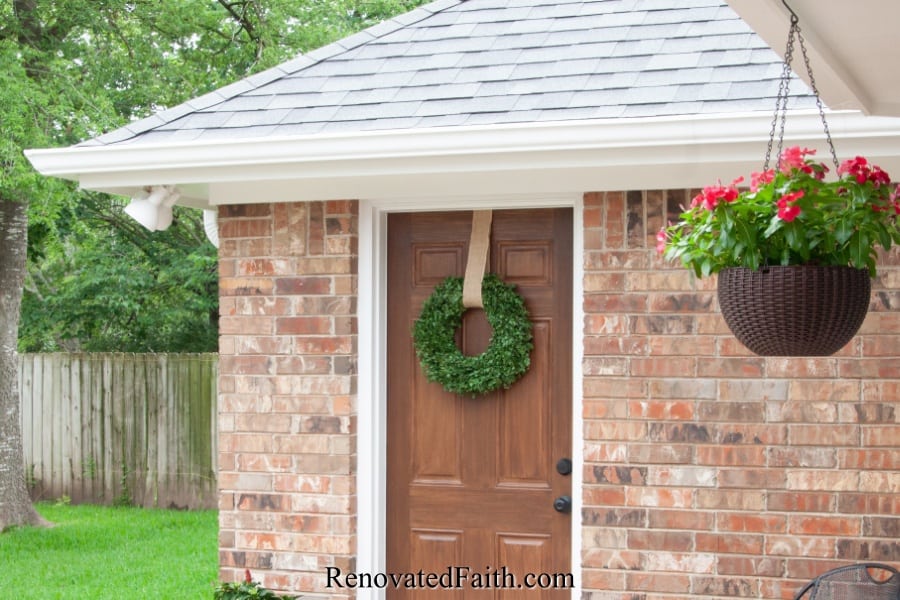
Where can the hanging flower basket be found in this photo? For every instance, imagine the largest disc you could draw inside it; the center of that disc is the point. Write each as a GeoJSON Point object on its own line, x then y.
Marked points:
{"type": "Point", "coordinates": [797, 310]}
{"type": "Point", "coordinates": [794, 251]}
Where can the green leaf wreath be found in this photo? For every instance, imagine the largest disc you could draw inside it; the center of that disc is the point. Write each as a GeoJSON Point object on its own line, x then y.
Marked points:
{"type": "Point", "coordinates": [508, 355]}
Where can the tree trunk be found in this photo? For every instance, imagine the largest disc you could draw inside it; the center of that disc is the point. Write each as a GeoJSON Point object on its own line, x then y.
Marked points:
{"type": "Point", "coordinates": [15, 504]}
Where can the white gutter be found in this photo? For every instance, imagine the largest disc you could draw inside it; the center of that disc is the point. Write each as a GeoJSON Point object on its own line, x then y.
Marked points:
{"type": "Point", "coordinates": [657, 152]}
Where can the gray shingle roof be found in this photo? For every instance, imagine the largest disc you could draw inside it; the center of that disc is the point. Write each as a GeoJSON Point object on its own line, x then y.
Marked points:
{"type": "Point", "coordinates": [477, 62]}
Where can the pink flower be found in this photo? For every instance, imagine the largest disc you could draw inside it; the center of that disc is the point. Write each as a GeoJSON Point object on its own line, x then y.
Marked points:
{"type": "Point", "coordinates": [247, 576]}
{"type": "Point", "coordinates": [860, 169]}
{"type": "Point", "coordinates": [795, 158]}
{"type": "Point", "coordinates": [895, 199]}
{"type": "Point", "coordinates": [661, 239]}
{"type": "Point", "coordinates": [711, 195]}
{"type": "Point", "coordinates": [787, 207]}
{"type": "Point", "coordinates": [879, 177]}
{"type": "Point", "coordinates": [757, 180]}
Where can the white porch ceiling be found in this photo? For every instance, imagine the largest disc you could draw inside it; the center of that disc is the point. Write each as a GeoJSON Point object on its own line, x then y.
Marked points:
{"type": "Point", "coordinates": [852, 47]}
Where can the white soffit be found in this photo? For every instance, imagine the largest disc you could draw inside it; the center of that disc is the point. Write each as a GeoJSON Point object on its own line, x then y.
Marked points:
{"type": "Point", "coordinates": [575, 156]}
{"type": "Point", "coordinates": [852, 47]}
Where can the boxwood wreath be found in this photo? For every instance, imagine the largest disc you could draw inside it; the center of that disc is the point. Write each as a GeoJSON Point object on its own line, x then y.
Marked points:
{"type": "Point", "coordinates": [508, 355]}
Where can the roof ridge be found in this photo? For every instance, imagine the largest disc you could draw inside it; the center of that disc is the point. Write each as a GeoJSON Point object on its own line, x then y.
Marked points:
{"type": "Point", "coordinates": [290, 67]}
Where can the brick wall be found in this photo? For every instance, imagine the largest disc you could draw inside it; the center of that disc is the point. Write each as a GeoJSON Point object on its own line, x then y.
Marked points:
{"type": "Point", "coordinates": [287, 382]}
{"type": "Point", "coordinates": [711, 472]}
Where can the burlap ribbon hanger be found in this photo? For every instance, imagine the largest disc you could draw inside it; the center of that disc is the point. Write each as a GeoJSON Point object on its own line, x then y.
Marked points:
{"type": "Point", "coordinates": [476, 265]}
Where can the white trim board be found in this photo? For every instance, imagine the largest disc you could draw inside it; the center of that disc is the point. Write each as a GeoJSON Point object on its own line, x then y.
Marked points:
{"type": "Point", "coordinates": [372, 371]}
{"type": "Point", "coordinates": [569, 156]}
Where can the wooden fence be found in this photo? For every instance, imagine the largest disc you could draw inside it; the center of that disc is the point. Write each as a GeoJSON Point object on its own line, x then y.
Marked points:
{"type": "Point", "coordinates": [120, 428]}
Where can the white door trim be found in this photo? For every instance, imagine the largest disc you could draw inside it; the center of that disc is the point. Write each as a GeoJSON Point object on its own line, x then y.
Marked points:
{"type": "Point", "coordinates": [371, 403]}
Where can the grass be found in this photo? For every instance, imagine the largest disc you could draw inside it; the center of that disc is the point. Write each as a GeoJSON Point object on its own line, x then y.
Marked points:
{"type": "Point", "coordinates": [97, 552]}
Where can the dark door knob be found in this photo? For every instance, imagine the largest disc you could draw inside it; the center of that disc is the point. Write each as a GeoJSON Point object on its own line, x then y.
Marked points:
{"type": "Point", "coordinates": [563, 504]}
{"type": "Point", "coordinates": [564, 466]}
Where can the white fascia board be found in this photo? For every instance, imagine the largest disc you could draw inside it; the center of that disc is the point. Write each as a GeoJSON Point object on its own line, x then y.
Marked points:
{"type": "Point", "coordinates": [658, 152]}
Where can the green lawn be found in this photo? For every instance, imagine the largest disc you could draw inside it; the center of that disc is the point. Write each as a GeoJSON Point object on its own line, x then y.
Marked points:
{"type": "Point", "coordinates": [96, 552]}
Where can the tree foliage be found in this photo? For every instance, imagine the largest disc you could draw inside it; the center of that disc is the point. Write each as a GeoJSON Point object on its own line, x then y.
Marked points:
{"type": "Point", "coordinates": [96, 282]}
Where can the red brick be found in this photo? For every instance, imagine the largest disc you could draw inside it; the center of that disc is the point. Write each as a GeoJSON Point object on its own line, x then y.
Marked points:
{"type": "Point", "coordinates": [746, 566]}
{"type": "Point", "coordinates": [809, 457]}
{"type": "Point", "coordinates": [795, 545]}
{"type": "Point", "coordinates": [603, 282]}
{"type": "Point", "coordinates": [245, 228]}
{"type": "Point", "coordinates": [244, 365]}
{"type": "Point", "coordinates": [883, 436]}
{"type": "Point", "coordinates": [882, 459]}
{"type": "Point", "coordinates": [663, 367]}
{"type": "Point", "coordinates": [766, 479]}
{"type": "Point", "coordinates": [264, 502]}
{"type": "Point", "coordinates": [668, 410]}
{"type": "Point", "coordinates": [715, 499]}
{"type": "Point", "coordinates": [253, 326]}
{"type": "Point", "coordinates": [822, 480]}
{"type": "Point", "coordinates": [617, 260]}
{"type": "Point", "coordinates": [614, 225]}
{"type": "Point", "coordinates": [807, 568]}
{"type": "Point", "coordinates": [660, 453]}
{"type": "Point", "coordinates": [603, 579]}
{"type": "Point", "coordinates": [887, 527]}
{"type": "Point", "coordinates": [613, 345]}
{"type": "Point", "coordinates": [658, 582]}
{"type": "Point", "coordinates": [875, 368]}
{"type": "Point", "coordinates": [751, 523]}
{"type": "Point", "coordinates": [801, 367]}
{"type": "Point", "coordinates": [868, 504]}
{"type": "Point", "coordinates": [730, 543]}
{"type": "Point", "coordinates": [662, 497]}
{"type": "Point", "coordinates": [603, 496]}
{"type": "Point", "coordinates": [732, 367]}
{"type": "Point", "coordinates": [808, 502]}
{"type": "Point", "coordinates": [731, 455]}
{"type": "Point", "coordinates": [731, 587]}
{"type": "Point", "coordinates": [302, 285]}
{"type": "Point", "coordinates": [257, 306]}
{"type": "Point", "coordinates": [246, 286]}
{"type": "Point", "coordinates": [824, 526]}
{"type": "Point", "coordinates": [593, 217]}
{"type": "Point", "coordinates": [681, 519]}
{"type": "Point", "coordinates": [686, 302]}
{"type": "Point", "coordinates": [614, 387]}
{"type": "Point", "coordinates": [732, 412]}
{"type": "Point", "coordinates": [824, 435]}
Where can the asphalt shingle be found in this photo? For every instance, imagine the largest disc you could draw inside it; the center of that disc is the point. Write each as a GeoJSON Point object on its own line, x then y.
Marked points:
{"type": "Point", "coordinates": [454, 62]}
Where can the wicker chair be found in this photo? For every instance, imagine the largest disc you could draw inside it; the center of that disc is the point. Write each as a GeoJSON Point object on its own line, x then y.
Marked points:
{"type": "Point", "coordinates": [865, 581]}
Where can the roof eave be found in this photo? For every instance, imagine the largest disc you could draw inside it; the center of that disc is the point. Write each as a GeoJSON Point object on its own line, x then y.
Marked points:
{"type": "Point", "coordinates": [657, 152]}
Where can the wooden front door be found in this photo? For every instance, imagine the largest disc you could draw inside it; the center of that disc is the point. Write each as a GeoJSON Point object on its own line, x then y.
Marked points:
{"type": "Point", "coordinates": [471, 482]}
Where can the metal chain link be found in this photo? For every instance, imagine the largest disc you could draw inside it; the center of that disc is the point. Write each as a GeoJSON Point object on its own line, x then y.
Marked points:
{"type": "Point", "coordinates": [783, 93]}
{"type": "Point", "coordinates": [812, 84]}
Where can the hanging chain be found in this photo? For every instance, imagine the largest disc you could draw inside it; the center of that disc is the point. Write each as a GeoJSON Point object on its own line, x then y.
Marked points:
{"type": "Point", "coordinates": [783, 93]}
{"type": "Point", "coordinates": [812, 84]}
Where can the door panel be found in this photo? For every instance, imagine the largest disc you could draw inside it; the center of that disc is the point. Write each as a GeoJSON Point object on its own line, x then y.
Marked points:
{"type": "Point", "coordinates": [471, 481]}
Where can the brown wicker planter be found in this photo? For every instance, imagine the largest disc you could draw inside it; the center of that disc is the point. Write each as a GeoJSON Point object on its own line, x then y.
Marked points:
{"type": "Point", "coordinates": [798, 310]}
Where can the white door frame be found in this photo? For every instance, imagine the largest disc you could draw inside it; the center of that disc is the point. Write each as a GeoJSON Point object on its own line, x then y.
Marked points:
{"type": "Point", "coordinates": [371, 402]}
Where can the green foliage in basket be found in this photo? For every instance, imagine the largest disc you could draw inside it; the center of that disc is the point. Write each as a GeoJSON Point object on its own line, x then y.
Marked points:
{"type": "Point", "coordinates": [790, 215]}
